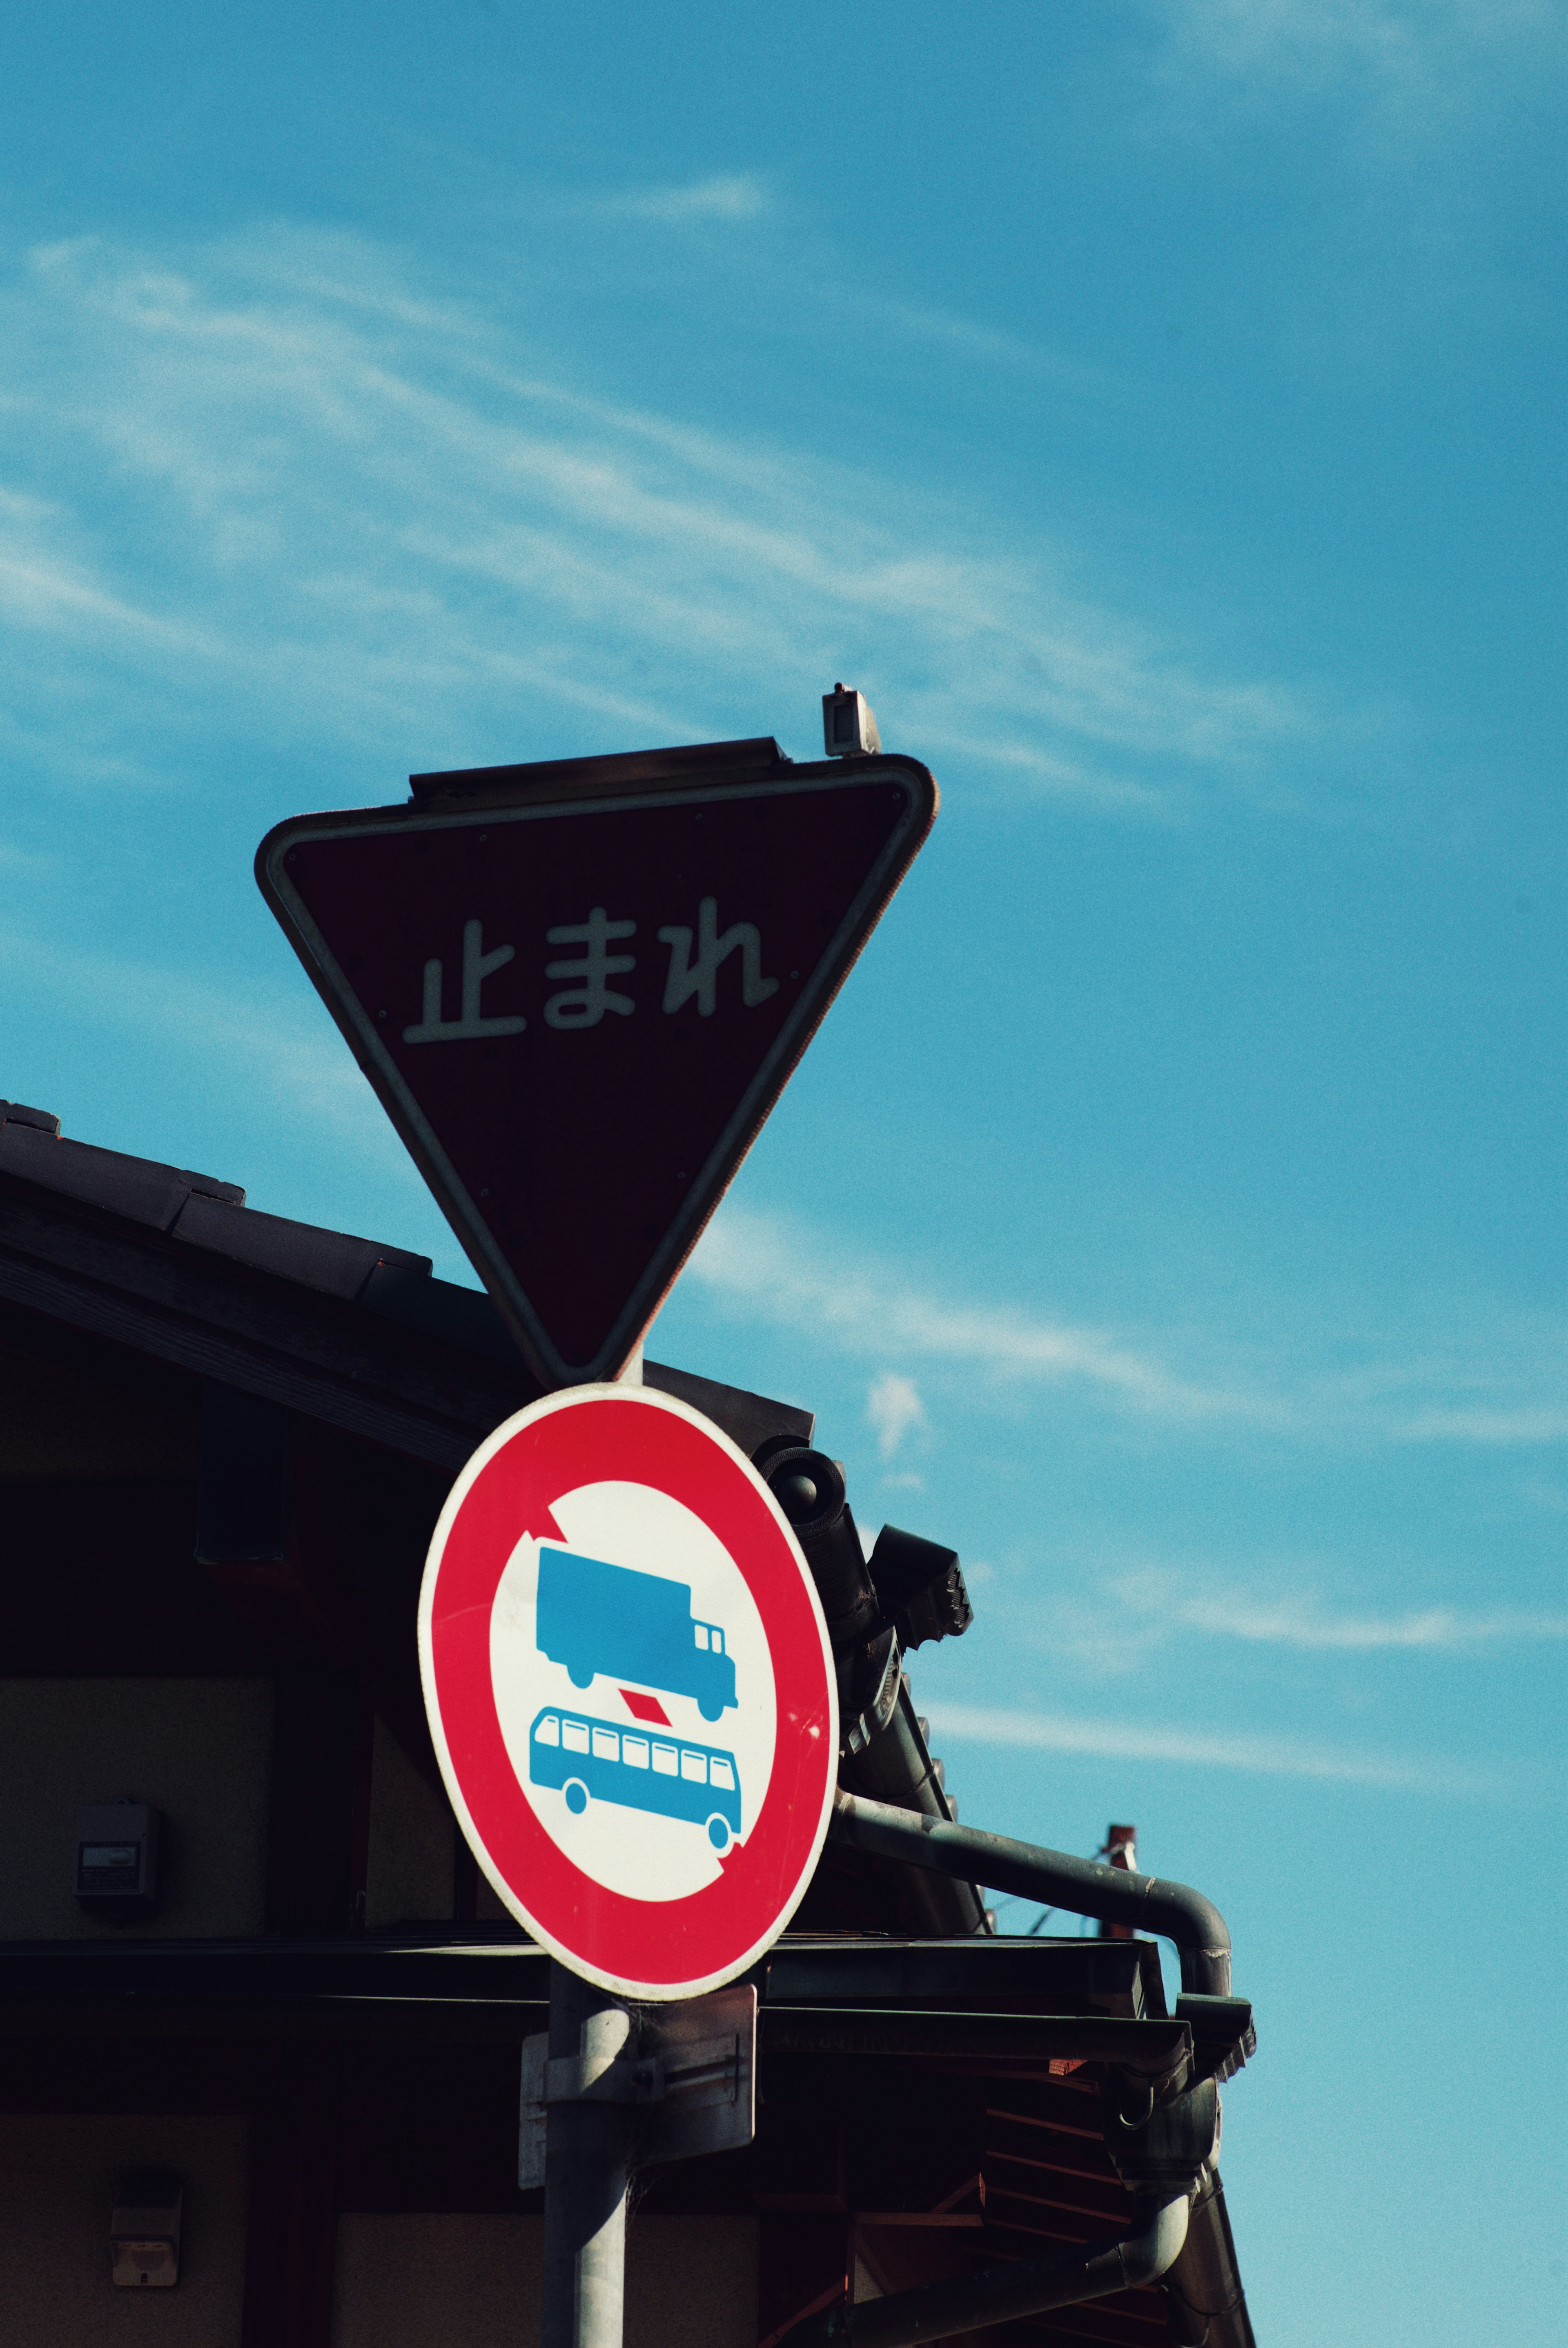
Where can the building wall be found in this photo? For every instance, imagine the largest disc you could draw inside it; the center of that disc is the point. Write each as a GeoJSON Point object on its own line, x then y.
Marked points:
{"type": "Point", "coordinates": [448, 2282]}
{"type": "Point", "coordinates": [56, 1421]}
{"type": "Point", "coordinates": [198, 1750]}
{"type": "Point", "coordinates": [490, 1908]}
{"type": "Point", "coordinates": [413, 1842]}
{"type": "Point", "coordinates": [58, 2180]}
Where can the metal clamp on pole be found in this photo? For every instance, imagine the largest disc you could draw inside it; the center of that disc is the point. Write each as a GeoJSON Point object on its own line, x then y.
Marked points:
{"type": "Point", "coordinates": [596, 2079]}
{"type": "Point", "coordinates": [685, 2072]}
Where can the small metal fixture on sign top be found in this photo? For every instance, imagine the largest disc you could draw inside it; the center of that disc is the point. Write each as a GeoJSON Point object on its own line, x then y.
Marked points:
{"type": "Point", "coordinates": [116, 1859]}
{"type": "Point", "coordinates": [848, 725]}
{"type": "Point", "coordinates": [689, 2071]}
{"type": "Point", "coordinates": [144, 2231]}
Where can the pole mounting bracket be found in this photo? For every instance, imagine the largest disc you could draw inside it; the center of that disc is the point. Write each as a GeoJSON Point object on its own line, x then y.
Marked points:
{"type": "Point", "coordinates": [687, 2071]}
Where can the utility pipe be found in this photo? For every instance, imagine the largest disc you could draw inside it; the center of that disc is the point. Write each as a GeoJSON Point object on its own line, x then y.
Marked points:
{"type": "Point", "coordinates": [1080, 1886]}
{"type": "Point", "coordinates": [1002, 2294]}
{"type": "Point", "coordinates": [894, 1767]}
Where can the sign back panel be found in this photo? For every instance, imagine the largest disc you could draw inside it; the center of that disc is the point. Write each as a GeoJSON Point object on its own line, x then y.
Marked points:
{"type": "Point", "coordinates": [577, 1005]}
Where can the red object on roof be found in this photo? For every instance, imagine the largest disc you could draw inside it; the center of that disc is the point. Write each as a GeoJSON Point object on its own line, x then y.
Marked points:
{"type": "Point", "coordinates": [578, 992]}
{"type": "Point", "coordinates": [1119, 1849]}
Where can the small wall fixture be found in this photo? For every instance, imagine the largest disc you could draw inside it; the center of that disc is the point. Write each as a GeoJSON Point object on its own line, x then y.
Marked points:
{"type": "Point", "coordinates": [144, 2231]}
{"type": "Point", "coordinates": [116, 1858]}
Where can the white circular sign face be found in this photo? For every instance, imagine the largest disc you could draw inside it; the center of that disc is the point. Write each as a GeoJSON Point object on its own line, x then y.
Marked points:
{"type": "Point", "coordinates": [645, 1538]}
{"type": "Point", "coordinates": [629, 1688]}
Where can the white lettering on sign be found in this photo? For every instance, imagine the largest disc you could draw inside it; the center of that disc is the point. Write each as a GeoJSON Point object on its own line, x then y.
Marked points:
{"type": "Point", "coordinates": [700, 977]}
{"type": "Point", "coordinates": [477, 966]}
{"type": "Point", "coordinates": [585, 1005]}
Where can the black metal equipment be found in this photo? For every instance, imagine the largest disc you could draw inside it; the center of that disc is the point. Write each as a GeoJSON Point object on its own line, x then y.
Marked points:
{"type": "Point", "coordinates": [908, 1591]}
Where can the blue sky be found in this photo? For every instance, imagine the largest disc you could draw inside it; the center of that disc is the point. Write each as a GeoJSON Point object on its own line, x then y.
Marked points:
{"type": "Point", "coordinates": [1156, 409]}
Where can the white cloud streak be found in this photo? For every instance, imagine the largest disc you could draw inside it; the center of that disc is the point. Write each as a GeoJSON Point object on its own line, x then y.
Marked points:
{"type": "Point", "coordinates": [276, 485]}
{"type": "Point", "coordinates": [1299, 1620]}
{"type": "Point", "coordinates": [733, 196]}
{"type": "Point", "coordinates": [1512, 1394]}
{"type": "Point", "coordinates": [1389, 47]}
{"type": "Point", "coordinates": [297, 1062]}
{"type": "Point", "coordinates": [894, 1409]}
{"type": "Point", "coordinates": [767, 1266]}
{"type": "Point", "coordinates": [1270, 1757]}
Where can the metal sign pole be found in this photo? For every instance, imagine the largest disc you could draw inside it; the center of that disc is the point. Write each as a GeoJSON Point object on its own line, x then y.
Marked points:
{"type": "Point", "coordinates": [587, 2145]}
{"type": "Point", "coordinates": [609, 2089]}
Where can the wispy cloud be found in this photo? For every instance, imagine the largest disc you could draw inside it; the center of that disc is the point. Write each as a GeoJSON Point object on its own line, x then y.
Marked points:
{"type": "Point", "coordinates": [279, 484]}
{"type": "Point", "coordinates": [1487, 1424]}
{"type": "Point", "coordinates": [998, 349]}
{"type": "Point", "coordinates": [1300, 1620]}
{"type": "Point", "coordinates": [1400, 46]}
{"type": "Point", "coordinates": [727, 196]}
{"type": "Point", "coordinates": [1506, 1388]}
{"type": "Point", "coordinates": [296, 1061]}
{"type": "Point", "coordinates": [757, 1261]}
{"type": "Point", "coordinates": [1271, 1757]}
{"type": "Point", "coordinates": [893, 1408]}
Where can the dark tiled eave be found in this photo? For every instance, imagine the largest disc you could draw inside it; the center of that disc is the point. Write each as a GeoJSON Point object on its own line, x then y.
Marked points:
{"type": "Point", "coordinates": [174, 1265]}
{"type": "Point", "coordinates": [945, 2010]}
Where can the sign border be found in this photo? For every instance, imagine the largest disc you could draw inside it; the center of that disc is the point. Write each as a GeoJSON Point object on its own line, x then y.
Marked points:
{"type": "Point", "coordinates": [434, 1668]}
{"type": "Point", "coordinates": [517, 803]}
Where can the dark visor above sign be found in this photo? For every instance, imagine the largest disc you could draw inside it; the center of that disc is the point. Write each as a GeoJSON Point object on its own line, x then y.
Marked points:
{"type": "Point", "coordinates": [579, 990]}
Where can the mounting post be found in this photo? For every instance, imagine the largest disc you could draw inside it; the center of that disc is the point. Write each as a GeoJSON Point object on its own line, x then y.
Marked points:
{"type": "Point", "coordinates": [587, 2147]}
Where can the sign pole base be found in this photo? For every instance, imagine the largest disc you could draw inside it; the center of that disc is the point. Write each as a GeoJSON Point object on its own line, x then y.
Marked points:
{"type": "Point", "coordinates": [588, 2147]}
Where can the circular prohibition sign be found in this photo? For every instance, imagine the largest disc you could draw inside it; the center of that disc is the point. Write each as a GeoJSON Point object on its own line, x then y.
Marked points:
{"type": "Point", "coordinates": [629, 1688]}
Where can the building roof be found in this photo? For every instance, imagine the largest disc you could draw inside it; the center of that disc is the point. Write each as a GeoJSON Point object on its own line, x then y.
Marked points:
{"type": "Point", "coordinates": [348, 1330]}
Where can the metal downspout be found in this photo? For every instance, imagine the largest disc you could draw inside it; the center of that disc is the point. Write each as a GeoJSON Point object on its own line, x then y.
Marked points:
{"type": "Point", "coordinates": [1080, 1886]}
{"type": "Point", "coordinates": [1002, 2294]}
{"type": "Point", "coordinates": [1208, 2305]}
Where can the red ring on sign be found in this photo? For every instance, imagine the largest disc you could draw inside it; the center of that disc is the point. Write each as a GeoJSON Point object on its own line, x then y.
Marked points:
{"type": "Point", "coordinates": [660, 1945]}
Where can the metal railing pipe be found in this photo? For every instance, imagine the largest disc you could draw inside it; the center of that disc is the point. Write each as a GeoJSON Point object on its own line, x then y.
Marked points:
{"type": "Point", "coordinates": [1055, 1877]}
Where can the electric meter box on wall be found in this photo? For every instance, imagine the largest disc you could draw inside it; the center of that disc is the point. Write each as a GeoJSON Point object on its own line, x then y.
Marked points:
{"type": "Point", "coordinates": [116, 1858]}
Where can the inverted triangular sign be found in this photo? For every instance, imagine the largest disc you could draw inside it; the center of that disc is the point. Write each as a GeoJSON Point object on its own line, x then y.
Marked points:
{"type": "Point", "coordinates": [578, 989]}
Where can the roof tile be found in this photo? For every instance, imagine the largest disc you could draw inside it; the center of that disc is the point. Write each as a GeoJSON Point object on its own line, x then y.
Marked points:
{"type": "Point", "coordinates": [16, 1113]}
{"type": "Point", "coordinates": [332, 1262]}
{"type": "Point", "coordinates": [136, 1187]}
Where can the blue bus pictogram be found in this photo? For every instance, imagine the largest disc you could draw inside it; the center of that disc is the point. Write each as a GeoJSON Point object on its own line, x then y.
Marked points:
{"type": "Point", "coordinates": [640, 1770]}
{"type": "Point", "coordinates": [593, 1617]}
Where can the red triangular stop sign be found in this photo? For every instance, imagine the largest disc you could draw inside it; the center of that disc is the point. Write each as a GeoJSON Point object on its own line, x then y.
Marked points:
{"type": "Point", "coordinates": [577, 990]}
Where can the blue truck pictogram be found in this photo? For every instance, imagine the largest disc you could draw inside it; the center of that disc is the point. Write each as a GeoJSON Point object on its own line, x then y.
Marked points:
{"type": "Point", "coordinates": [594, 1617]}
{"type": "Point", "coordinates": [639, 1768]}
